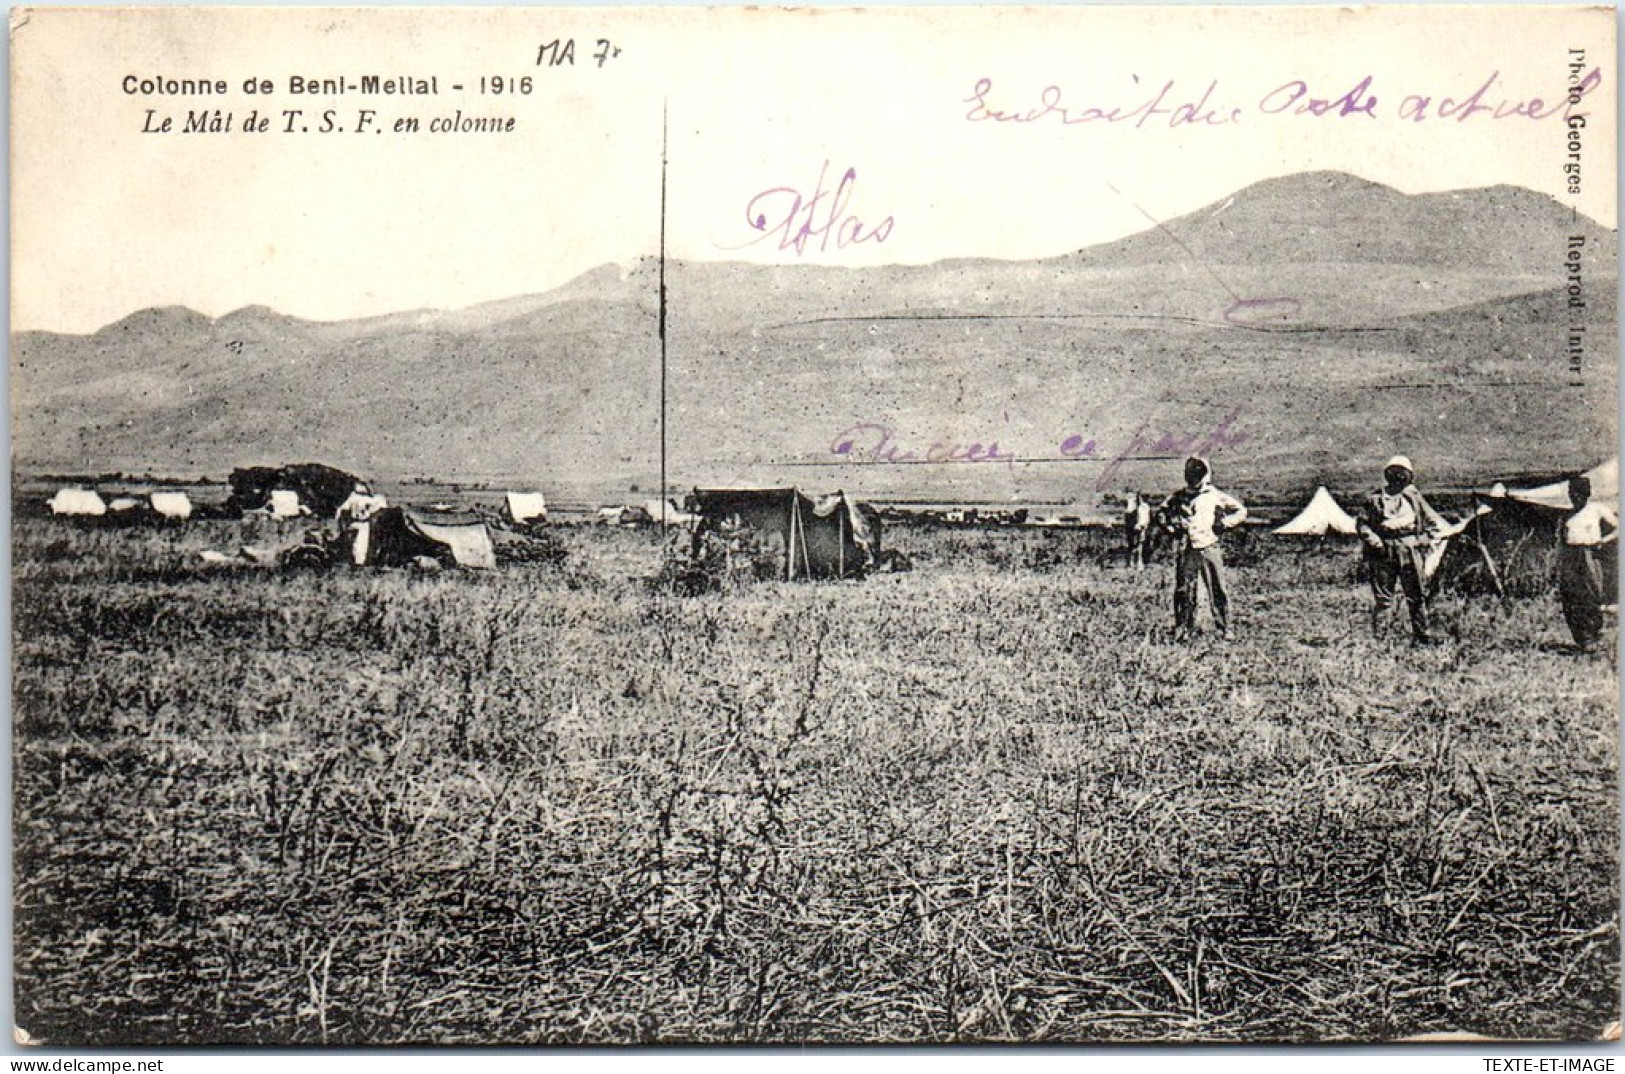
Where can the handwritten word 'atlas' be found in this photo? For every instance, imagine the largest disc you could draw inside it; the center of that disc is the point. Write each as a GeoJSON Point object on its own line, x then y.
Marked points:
{"type": "Point", "coordinates": [812, 219]}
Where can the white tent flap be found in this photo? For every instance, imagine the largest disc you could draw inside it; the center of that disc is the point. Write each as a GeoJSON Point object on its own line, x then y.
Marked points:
{"type": "Point", "coordinates": [1604, 480]}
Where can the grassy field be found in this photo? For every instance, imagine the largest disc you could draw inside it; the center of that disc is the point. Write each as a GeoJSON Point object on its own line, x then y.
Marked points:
{"type": "Point", "coordinates": [988, 800]}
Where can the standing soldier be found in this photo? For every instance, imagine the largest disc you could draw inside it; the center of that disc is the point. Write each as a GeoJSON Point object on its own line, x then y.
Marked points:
{"type": "Point", "coordinates": [1197, 514]}
{"type": "Point", "coordinates": [1579, 570]}
{"type": "Point", "coordinates": [1397, 526]}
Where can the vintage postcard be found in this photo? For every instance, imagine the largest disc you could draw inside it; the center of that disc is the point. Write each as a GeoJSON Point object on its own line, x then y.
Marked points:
{"type": "Point", "coordinates": [614, 525]}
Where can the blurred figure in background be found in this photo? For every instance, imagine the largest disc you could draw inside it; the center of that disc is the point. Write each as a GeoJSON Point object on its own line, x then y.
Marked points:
{"type": "Point", "coordinates": [1136, 529]}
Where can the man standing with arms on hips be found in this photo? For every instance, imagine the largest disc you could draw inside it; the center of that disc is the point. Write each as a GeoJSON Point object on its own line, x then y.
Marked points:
{"type": "Point", "coordinates": [1197, 514]}
{"type": "Point", "coordinates": [1586, 528]}
{"type": "Point", "coordinates": [1397, 526]}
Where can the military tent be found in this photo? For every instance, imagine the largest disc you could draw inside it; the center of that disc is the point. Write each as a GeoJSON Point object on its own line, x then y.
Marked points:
{"type": "Point", "coordinates": [1604, 480]}
{"type": "Point", "coordinates": [77, 501]}
{"type": "Point", "coordinates": [828, 537]}
{"type": "Point", "coordinates": [121, 504]}
{"type": "Point", "coordinates": [1320, 516]}
{"type": "Point", "coordinates": [1513, 540]}
{"type": "Point", "coordinates": [523, 507]}
{"type": "Point", "coordinates": [171, 504]}
{"type": "Point", "coordinates": [396, 536]}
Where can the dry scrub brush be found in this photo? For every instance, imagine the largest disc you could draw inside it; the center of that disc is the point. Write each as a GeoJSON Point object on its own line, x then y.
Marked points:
{"type": "Point", "coordinates": [985, 801]}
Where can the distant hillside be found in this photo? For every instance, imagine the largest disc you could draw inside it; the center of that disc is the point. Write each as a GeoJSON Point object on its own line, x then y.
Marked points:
{"type": "Point", "coordinates": [1433, 324]}
{"type": "Point", "coordinates": [1335, 217]}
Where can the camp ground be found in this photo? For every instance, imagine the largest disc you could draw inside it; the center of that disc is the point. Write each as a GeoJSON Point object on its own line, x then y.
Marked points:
{"type": "Point", "coordinates": [540, 688]}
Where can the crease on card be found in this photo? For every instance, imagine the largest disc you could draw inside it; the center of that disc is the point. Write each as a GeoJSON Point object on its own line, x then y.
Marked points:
{"type": "Point", "coordinates": [19, 18]}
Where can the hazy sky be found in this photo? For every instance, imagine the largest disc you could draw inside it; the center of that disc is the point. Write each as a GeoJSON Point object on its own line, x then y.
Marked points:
{"type": "Point", "coordinates": [108, 218]}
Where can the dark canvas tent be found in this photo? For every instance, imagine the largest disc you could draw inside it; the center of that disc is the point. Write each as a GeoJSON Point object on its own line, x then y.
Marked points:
{"type": "Point", "coordinates": [830, 537]}
{"type": "Point", "coordinates": [322, 489]}
{"type": "Point", "coordinates": [397, 536]}
{"type": "Point", "coordinates": [1510, 548]}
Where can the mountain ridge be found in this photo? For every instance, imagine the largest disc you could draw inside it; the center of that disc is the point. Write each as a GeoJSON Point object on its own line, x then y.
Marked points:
{"type": "Point", "coordinates": [769, 362]}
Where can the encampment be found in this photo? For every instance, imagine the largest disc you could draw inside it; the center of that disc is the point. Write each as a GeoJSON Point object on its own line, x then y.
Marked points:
{"type": "Point", "coordinates": [830, 537]}
{"type": "Point", "coordinates": [78, 501]}
{"type": "Point", "coordinates": [1320, 516]}
{"type": "Point", "coordinates": [171, 504]}
{"type": "Point", "coordinates": [397, 536]}
{"type": "Point", "coordinates": [525, 507]}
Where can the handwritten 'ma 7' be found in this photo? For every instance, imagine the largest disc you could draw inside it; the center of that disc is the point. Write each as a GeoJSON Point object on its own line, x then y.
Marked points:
{"type": "Point", "coordinates": [561, 52]}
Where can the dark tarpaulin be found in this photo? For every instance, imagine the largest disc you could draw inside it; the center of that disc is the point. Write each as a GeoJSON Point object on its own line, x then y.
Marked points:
{"type": "Point", "coordinates": [831, 537]}
{"type": "Point", "coordinates": [321, 488]}
{"type": "Point", "coordinates": [396, 537]}
{"type": "Point", "coordinates": [1512, 550]}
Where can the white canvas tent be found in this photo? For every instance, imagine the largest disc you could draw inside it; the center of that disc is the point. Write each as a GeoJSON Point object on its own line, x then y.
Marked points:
{"type": "Point", "coordinates": [1321, 515]}
{"type": "Point", "coordinates": [1436, 551]}
{"type": "Point", "coordinates": [1604, 489]}
{"type": "Point", "coordinates": [171, 505]}
{"type": "Point", "coordinates": [674, 516]}
{"type": "Point", "coordinates": [284, 503]}
{"type": "Point", "coordinates": [77, 502]}
{"type": "Point", "coordinates": [527, 507]}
